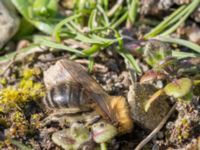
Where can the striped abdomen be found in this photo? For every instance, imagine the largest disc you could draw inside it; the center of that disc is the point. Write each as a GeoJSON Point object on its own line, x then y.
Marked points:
{"type": "Point", "coordinates": [65, 96]}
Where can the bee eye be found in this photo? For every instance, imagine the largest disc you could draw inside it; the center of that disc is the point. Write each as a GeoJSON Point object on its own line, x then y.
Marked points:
{"type": "Point", "coordinates": [102, 125]}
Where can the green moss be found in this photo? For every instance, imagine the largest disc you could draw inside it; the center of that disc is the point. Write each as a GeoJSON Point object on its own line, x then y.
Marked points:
{"type": "Point", "coordinates": [29, 73]}
{"type": "Point", "coordinates": [19, 126]}
{"type": "Point", "coordinates": [15, 96]}
{"type": "Point", "coordinates": [35, 120]}
{"type": "Point", "coordinates": [18, 117]}
{"type": "Point", "coordinates": [3, 81]}
{"type": "Point", "coordinates": [183, 130]}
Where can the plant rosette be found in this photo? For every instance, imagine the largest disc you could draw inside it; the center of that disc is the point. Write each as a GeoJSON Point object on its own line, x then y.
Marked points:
{"type": "Point", "coordinates": [179, 88]}
{"type": "Point", "coordinates": [103, 132]}
{"type": "Point", "coordinates": [72, 138]}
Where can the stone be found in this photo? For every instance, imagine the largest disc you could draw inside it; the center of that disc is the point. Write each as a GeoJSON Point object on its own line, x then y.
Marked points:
{"type": "Point", "coordinates": [9, 22]}
{"type": "Point", "coordinates": [138, 95]}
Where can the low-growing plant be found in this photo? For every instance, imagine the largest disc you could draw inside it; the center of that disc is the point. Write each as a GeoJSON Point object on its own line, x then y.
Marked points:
{"type": "Point", "coordinates": [13, 97]}
{"type": "Point", "coordinates": [180, 81]}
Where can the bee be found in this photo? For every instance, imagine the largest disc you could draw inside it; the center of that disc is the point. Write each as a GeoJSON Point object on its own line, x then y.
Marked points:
{"type": "Point", "coordinates": [70, 86]}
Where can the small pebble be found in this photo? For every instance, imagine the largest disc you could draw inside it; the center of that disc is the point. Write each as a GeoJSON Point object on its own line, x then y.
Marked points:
{"type": "Point", "coordinates": [169, 125]}
{"type": "Point", "coordinates": [159, 84]}
{"type": "Point", "coordinates": [155, 147]}
{"type": "Point", "coordinates": [9, 22]}
{"type": "Point", "coordinates": [160, 135]}
{"type": "Point", "coordinates": [154, 139]}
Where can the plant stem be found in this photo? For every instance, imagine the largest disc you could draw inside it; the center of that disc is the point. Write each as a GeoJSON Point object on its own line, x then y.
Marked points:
{"type": "Point", "coordinates": [152, 99]}
{"type": "Point", "coordinates": [156, 130]}
{"type": "Point", "coordinates": [103, 146]}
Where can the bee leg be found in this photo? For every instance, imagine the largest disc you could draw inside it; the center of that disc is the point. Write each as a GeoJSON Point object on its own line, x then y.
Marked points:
{"type": "Point", "coordinates": [64, 116]}
{"type": "Point", "coordinates": [62, 120]}
{"type": "Point", "coordinates": [91, 118]}
{"type": "Point", "coordinates": [65, 111]}
{"type": "Point", "coordinates": [68, 111]}
{"type": "Point", "coordinates": [48, 120]}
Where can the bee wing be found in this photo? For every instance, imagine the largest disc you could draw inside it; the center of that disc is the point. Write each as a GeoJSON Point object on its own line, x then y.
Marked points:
{"type": "Point", "coordinates": [73, 73]}
{"type": "Point", "coordinates": [76, 72]}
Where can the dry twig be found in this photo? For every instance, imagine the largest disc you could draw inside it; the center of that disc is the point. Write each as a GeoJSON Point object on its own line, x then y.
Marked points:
{"type": "Point", "coordinates": [156, 130]}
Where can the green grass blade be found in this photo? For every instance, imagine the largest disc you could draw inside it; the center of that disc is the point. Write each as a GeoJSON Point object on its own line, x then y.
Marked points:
{"type": "Point", "coordinates": [42, 26]}
{"type": "Point", "coordinates": [131, 60]}
{"type": "Point", "coordinates": [93, 49]}
{"type": "Point", "coordinates": [91, 64]}
{"type": "Point", "coordinates": [120, 20]}
{"type": "Point", "coordinates": [132, 10]}
{"type": "Point", "coordinates": [181, 55]}
{"type": "Point", "coordinates": [22, 6]}
{"type": "Point", "coordinates": [182, 42]}
{"type": "Point", "coordinates": [92, 20]}
{"type": "Point", "coordinates": [58, 27]}
{"type": "Point", "coordinates": [105, 4]}
{"type": "Point", "coordinates": [51, 44]}
{"type": "Point", "coordinates": [10, 56]}
{"type": "Point", "coordinates": [93, 39]}
{"type": "Point", "coordinates": [159, 28]}
{"type": "Point", "coordinates": [85, 39]}
{"type": "Point", "coordinates": [115, 8]}
{"type": "Point", "coordinates": [102, 39]}
{"type": "Point", "coordinates": [26, 10]}
{"type": "Point", "coordinates": [104, 15]}
{"type": "Point", "coordinates": [189, 10]}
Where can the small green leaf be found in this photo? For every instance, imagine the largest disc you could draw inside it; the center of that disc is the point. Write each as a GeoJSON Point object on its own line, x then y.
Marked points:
{"type": "Point", "coordinates": [23, 7]}
{"type": "Point", "coordinates": [26, 28]}
{"type": "Point", "coordinates": [71, 138]}
{"type": "Point", "coordinates": [178, 88]}
{"type": "Point", "coordinates": [46, 8]}
{"type": "Point", "coordinates": [187, 97]}
{"type": "Point", "coordinates": [40, 22]}
{"type": "Point", "coordinates": [103, 132]}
